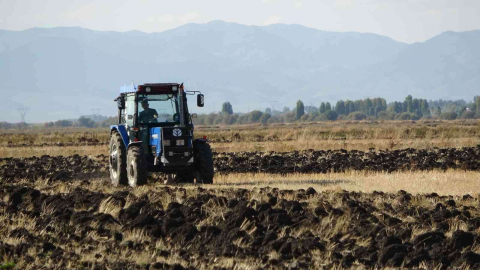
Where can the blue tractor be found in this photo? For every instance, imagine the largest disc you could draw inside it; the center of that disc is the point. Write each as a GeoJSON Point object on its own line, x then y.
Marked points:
{"type": "Point", "coordinates": [155, 134]}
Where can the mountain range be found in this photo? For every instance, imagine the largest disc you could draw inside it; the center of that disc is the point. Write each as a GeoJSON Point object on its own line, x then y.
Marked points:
{"type": "Point", "coordinates": [65, 72]}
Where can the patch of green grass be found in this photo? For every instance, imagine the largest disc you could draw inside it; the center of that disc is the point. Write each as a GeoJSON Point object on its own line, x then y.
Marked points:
{"type": "Point", "coordinates": [8, 265]}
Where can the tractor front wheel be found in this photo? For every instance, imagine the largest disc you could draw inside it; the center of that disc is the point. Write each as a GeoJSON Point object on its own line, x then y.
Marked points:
{"type": "Point", "coordinates": [203, 163]}
{"type": "Point", "coordinates": [137, 168]}
{"type": "Point", "coordinates": [117, 160]}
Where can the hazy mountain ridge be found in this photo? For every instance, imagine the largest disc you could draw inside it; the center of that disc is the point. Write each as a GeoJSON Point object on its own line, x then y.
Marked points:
{"type": "Point", "coordinates": [65, 72]}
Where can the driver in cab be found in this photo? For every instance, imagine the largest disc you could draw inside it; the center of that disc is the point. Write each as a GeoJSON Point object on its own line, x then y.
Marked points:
{"type": "Point", "coordinates": [148, 115]}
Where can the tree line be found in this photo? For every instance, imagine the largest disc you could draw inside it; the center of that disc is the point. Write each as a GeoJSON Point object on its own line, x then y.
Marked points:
{"type": "Point", "coordinates": [362, 109]}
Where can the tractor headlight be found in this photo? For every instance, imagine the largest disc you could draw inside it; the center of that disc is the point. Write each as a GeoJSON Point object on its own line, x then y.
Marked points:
{"type": "Point", "coordinates": [187, 154]}
{"type": "Point", "coordinates": [166, 142]}
{"type": "Point", "coordinates": [180, 142]}
{"type": "Point", "coordinates": [170, 153]}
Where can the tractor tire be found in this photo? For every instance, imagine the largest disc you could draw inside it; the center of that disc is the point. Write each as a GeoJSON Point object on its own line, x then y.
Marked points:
{"type": "Point", "coordinates": [137, 168]}
{"type": "Point", "coordinates": [117, 160]}
{"type": "Point", "coordinates": [203, 163]}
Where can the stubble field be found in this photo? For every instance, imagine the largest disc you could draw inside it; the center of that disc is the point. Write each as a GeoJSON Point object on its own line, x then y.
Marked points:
{"type": "Point", "coordinates": [338, 195]}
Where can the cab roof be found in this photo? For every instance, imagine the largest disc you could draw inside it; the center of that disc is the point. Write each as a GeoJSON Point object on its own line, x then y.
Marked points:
{"type": "Point", "coordinates": [166, 88]}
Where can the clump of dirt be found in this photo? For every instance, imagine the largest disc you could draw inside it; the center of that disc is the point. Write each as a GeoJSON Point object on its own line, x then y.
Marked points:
{"type": "Point", "coordinates": [178, 228]}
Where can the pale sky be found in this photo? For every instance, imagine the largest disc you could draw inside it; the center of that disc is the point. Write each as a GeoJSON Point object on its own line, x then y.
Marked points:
{"type": "Point", "coordinates": [403, 20]}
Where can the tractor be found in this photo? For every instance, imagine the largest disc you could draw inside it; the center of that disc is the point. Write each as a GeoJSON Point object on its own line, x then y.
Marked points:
{"type": "Point", "coordinates": [155, 134]}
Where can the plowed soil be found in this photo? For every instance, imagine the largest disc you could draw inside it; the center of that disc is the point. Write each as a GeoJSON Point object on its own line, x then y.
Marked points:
{"type": "Point", "coordinates": [52, 168]}
{"type": "Point", "coordinates": [311, 161]}
{"type": "Point", "coordinates": [177, 228]}
{"type": "Point", "coordinates": [77, 167]}
{"type": "Point", "coordinates": [68, 226]}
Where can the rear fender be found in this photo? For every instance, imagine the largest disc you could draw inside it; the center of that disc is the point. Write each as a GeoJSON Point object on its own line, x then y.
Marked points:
{"type": "Point", "coordinates": [123, 133]}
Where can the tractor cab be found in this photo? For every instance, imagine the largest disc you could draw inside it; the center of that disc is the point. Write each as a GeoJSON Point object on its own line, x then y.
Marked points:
{"type": "Point", "coordinates": [155, 129]}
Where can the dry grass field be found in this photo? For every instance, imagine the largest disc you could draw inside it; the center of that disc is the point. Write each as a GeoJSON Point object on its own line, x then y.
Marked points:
{"type": "Point", "coordinates": [355, 135]}
{"type": "Point", "coordinates": [394, 206]}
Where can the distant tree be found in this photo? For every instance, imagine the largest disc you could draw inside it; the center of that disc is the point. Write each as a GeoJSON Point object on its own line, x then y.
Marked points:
{"type": "Point", "coordinates": [286, 109]}
{"type": "Point", "coordinates": [109, 121]}
{"type": "Point", "coordinates": [340, 107]}
{"type": "Point", "coordinates": [311, 109]}
{"type": "Point", "coordinates": [63, 123]}
{"type": "Point", "coordinates": [229, 119]}
{"type": "Point", "coordinates": [357, 116]}
{"type": "Point", "coordinates": [264, 118]}
{"type": "Point", "coordinates": [331, 115]}
{"type": "Point", "coordinates": [211, 119]}
{"type": "Point", "coordinates": [468, 114]}
{"type": "Point", "coordinates": [289, 117]}
{"type": "Point", "coordinates": [268, 110]}
{"type": "Point", "coordinates": [86, 122]}
{"type": "Point", "coordinates": [406, 116]}
{"type": "Point", "coordinates": [322, 107]}
{"type": "Point", "coordinates": [409, 103]}
{"type": "Point", "coordinates": [386, 115]}
{"type": "Point", "coordinates": [227, 108]}
{"type": "Point", "coordinates": [328, 107]}
{"type": "Point", "coordinates": [449, 115]}
{"type": "Point", "coordinates": [48, 124]}
{"type": "Point", "coordinates": [300, 111]}
{"type": "Point", "coordinates": [371, 111]}
{"type": "Point", "coordinates": [255, 116]}
{"type": "Point", "coordinates": [305, 117]}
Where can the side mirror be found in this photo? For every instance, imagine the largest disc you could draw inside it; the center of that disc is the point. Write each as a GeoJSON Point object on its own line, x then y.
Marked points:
{"type": "Point", "coordinates": [121, 103]}
{"type": "Point", "coordinates": [200, 100]}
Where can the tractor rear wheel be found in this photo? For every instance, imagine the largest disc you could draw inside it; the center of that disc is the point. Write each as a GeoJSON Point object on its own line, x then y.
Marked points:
{"type": "Point", "coordinates": [117, 160]}
{"type": "Point", "coordinates": [137, 168]}
{"type": "Point", "coordinates": [203, 163]}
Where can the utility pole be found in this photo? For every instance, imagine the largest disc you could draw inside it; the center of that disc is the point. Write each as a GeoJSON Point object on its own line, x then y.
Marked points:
{"type": "Point", "coordinates": [23, 112]}
{"type": "Point", "coordinates": [273, 103]}
{"type": "Point", "coordinates": [95, 112]}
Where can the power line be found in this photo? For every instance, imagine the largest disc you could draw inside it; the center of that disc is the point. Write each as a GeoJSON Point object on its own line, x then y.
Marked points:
{"type": "Point", "coordinates": [273, 103]}
{"type": "Point", "coordinates": [95, 112]}
{"type": "Point", "coordinates": [23, 112]}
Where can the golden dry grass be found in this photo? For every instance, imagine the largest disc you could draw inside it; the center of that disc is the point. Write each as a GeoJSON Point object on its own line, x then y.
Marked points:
{"type": "Point", "coordinates": [361, 135]}
{"type": "Point", "coordinates": [363, 145]}
{"type": "Point", "coordinates": [453, 182]}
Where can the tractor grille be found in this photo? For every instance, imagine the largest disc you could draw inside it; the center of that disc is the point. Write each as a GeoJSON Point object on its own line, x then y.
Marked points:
{"type": "Point", "coordinates": [177, 154]}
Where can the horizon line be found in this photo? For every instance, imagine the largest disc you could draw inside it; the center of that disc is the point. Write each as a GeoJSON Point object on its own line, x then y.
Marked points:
{"type": "Point", "coordinates": [235, 23]}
